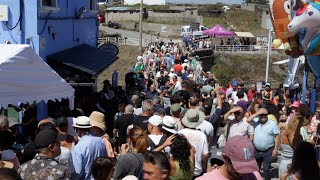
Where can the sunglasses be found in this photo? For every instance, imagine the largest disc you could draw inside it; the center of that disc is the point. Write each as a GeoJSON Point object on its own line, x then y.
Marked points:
{"type": "Point", "coordinates": [263, 115]}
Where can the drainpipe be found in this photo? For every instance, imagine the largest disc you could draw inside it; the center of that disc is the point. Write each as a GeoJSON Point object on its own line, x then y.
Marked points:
{"type": "Point", "coordinates": [20, 32]}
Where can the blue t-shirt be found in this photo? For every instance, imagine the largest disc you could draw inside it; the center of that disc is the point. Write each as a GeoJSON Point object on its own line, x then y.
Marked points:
{"type": "Point", "coordinates": [264, 135]}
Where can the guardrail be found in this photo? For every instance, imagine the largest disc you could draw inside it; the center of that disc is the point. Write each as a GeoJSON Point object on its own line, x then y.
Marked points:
{"type": "Point", "coordinates": [240, 48]}
{"type": "Point", "coordinates": [123, 41]}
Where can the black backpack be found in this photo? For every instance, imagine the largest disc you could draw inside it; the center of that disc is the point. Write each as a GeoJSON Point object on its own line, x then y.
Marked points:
{"type": "Point", "coordinates": [153, 146]}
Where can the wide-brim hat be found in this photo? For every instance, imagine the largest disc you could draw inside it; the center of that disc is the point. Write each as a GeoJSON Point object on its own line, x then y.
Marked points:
{"type": "Point", "coordinates": [169, 124]}
{"type": "Point", "coordinates": [193, 118]}
{"type": "Point", "coordinates": [97, 120]}
{"type": "Point", "coordinates": [82, 122]}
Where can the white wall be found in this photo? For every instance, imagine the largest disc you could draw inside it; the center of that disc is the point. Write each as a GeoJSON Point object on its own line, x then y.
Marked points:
{"type": "Point", "coordinates": [148, 2]}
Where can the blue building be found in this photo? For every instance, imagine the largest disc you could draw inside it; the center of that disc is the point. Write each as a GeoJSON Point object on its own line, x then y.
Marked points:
{"type": "Point", "coordinates": [50, 26]}
{"type": "Point", "coordinates": [63, 32]}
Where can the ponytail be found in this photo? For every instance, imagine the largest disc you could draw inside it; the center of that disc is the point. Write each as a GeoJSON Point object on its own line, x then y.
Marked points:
{"type": "Point", "coordinates": [138, 139]}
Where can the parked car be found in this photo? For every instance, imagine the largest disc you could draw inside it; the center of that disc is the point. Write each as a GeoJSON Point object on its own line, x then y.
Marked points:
{"type": "Point", "coordinates": [186, 30]}
{"type": "Point", "coordinates": [101, 18]}
{"type": "Point", "coordinates": [103, 3]}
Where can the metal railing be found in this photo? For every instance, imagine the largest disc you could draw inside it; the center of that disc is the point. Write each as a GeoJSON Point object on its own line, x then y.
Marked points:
{"type": "Point", "coordinates": [123, 41]}
{"type": "Point", "coordinates": [240, 48]}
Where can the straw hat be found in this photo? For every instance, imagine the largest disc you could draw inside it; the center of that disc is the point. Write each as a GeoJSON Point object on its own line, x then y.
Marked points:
{"type": "Point", "coordinates": [97, 120]}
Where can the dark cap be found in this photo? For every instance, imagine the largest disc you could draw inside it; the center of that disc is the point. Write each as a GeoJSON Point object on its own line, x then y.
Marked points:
{"type": "Point", "coordinates": [46, 137]}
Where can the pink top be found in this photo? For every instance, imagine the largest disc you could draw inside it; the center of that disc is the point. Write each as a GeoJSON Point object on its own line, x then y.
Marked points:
{"type": "Point", "coordinates": [216, 175]}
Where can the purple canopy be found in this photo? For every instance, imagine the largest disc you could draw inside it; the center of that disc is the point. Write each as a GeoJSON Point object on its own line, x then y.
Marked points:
{"type": "Point", "coordinates": [218, 31]}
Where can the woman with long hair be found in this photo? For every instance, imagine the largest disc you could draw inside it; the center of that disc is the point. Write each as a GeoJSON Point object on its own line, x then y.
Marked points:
{"type": "Point", "coordinates": [289, 139]}
{"type": "Point", "coordinates": [131, 159]}
{"type": "Point", "coordinates": [304, 164]}
{"type": "Point", "coordinates": [182, 159]}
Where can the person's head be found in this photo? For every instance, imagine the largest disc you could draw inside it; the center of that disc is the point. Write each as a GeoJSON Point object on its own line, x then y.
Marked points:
{"type": "Point", "coordinates": [4, 123]}
{"type": "Point", "coordinates": [61, 124]}
{"type": "Point", "coordinates": [102, 168]}
{"type": "Point", "coordinates": [156, 166]}
{"type": "Point", "coordinates": [147, 107]}
{"type": "Point", "coordinates": [155, 124]}
{"type": "Point", "coordinates": [239, 114]}
{"type": "Point", "coordinates": [240, 94]}
{"type": "Point", "coordinates": [156, 100]}
{"type": "Point", "coordinates": [192, 118]}
{"type": "Point", "coordinates": [305, 113]}
{"type": "Point", "coordinates": [304, 161]}
{"type": "Point", "coordinates": [294, 125]}
{"type": "Point", "coordinates": [194, 102]}
{"type": "Point", "coordinates": [138, 140]}
{"type": "Point", "coordinates": [47, 142]}
{"type": "Point", "coordinates": [180, 151]}
{"type": "Point", "coordinates": [82, 126]}
{"type": "Point", "coordinates": [317, 113]}
{"type": "Point", "coordinates": [98, 124]}
{"type": "Point", "coordinates": [169, 125]}
{"type": "Point", "coordinates": [253, 87]}
{"type": "Point", "coordinates": [121, 106]}
{"type": "Point", "coordinates": [9, 174]}
{"type": "Point", "coordinates": [263, 118]}
{"type": "Point", "coordinates": [295, 107]}
{"type": "Point", "coordinates": [77, 112]}
{"type": "Point", "coordinates": [128, 109]}
{"type": "Point", "coordinates": [267, 86]}
{"type": "Point", "coordinates": [153, 88]}
{"type": "Point", "coordinates": [175, 110]}
{"type": "Point", "coordinates": [239, 157]}
{"type": "Point", "coordinates": [134, 98]}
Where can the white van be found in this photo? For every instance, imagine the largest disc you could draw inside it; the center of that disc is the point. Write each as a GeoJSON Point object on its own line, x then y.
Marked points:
{"type": "Point", "coordinates": [186, 30]}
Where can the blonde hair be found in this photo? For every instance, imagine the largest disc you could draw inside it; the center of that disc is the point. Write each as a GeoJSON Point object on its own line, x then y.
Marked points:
{"type": "Point", "coordinates": [294, 125]}
{"type": "Point", "coordinates": [138, 139]}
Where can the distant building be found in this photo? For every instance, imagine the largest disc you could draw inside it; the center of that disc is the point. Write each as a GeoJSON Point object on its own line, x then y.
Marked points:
{"type": "Point", "coordinates": [162, 2]}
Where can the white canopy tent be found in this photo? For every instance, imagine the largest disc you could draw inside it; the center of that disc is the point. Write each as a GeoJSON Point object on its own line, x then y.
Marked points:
{"type": "Point", "coordinates": [26, 77]}
{"type": "Point", "coordinates": [244, 34]}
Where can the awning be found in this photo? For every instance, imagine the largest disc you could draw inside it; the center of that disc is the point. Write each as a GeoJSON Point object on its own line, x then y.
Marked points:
{"type": "Point", "coordinates": [85, 58]}
{"type": "Point", "coordinates": [244, 34]}
{"type": "Point", "coordinates": [25, 77]}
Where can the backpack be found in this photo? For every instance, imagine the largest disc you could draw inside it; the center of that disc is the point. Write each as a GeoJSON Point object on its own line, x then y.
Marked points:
{"type": "Point", "coordinates": [139, 172]}
{"type": "Point", "coordinates": [153, 146]}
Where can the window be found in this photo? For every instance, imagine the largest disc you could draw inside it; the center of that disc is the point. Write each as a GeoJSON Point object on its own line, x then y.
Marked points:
{"type": "Point", "coordinates": [48, 5]}
{"type": "Point", "coordinates": [93, 6]}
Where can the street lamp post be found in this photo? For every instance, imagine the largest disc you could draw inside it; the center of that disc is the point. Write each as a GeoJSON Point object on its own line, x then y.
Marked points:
{"type": "Point", "coordinates": [140, 26]}
{"type": "Point", "coordinates": [269, 54]}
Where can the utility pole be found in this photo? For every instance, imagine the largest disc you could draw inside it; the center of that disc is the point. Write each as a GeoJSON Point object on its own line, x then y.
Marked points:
{"type": "Point", "coordinates": [269, 54]}
{"type": "Point", "coordinates": [140, 26]}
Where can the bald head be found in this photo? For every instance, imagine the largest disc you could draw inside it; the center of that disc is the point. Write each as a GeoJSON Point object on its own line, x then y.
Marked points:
{"type": "Point", "coordinates": [128, 109]}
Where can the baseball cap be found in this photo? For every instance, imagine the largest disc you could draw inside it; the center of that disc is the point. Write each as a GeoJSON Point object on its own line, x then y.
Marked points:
{"type": "Point", "coordinates": [267, 84]}
{"type": "Point", "coordinates": [46, 137]}
{"type": "Point", "coordinates": [155, 120]}
{"type": "Point", "coordinates": [241, 152]}
{"type": "Point", "coordinates": [296, 104]}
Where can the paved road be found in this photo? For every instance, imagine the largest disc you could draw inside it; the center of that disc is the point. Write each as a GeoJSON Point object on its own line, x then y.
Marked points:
{"type": "Point", "coordinates": [134, 34]}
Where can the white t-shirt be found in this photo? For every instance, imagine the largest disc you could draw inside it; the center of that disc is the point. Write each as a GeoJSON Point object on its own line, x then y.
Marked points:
{"type": "Point", "coordinates": [236, 99]}
{"type": "Point", "coordinates": [207, 128]}
{"type": "Point", "coordinates": [178, 86]}
{"type": "Point", "coordinates": [137, 111]}
{"type": "Point", "coordinates": [199, 140]}
{"type": "Point", "coordinates": [156, 139]}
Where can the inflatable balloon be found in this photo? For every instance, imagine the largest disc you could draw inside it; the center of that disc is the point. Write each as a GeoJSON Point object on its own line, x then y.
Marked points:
{"type": "Point", "coordinates": [314, 63]}
{"type": "Point", "coordinates": [308, 17]}
{"type": "Point", "coordinates": [281, 11]}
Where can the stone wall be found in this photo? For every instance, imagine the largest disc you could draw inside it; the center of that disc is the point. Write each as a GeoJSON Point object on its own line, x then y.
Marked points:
{"type": "Point", "coordinates": [154, 28]}
{"type": "Point", "coordinates": [170, 17]}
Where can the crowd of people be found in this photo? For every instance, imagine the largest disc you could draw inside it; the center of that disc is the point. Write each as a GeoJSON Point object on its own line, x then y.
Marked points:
{"type": "Point", "coordinates": [171, 121]}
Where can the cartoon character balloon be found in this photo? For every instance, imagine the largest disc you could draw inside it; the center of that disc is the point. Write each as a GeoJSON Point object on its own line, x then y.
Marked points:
{"type": "Point", "coordinates": [281, 11]}
{"type": "Point", "coordinates": [308, 17]}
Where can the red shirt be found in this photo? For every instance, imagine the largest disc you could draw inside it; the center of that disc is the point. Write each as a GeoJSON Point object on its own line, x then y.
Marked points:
{"type": "Point", "coordinates": [251, 94]}
{"type": "Point", "coordinates": [177, 68]}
